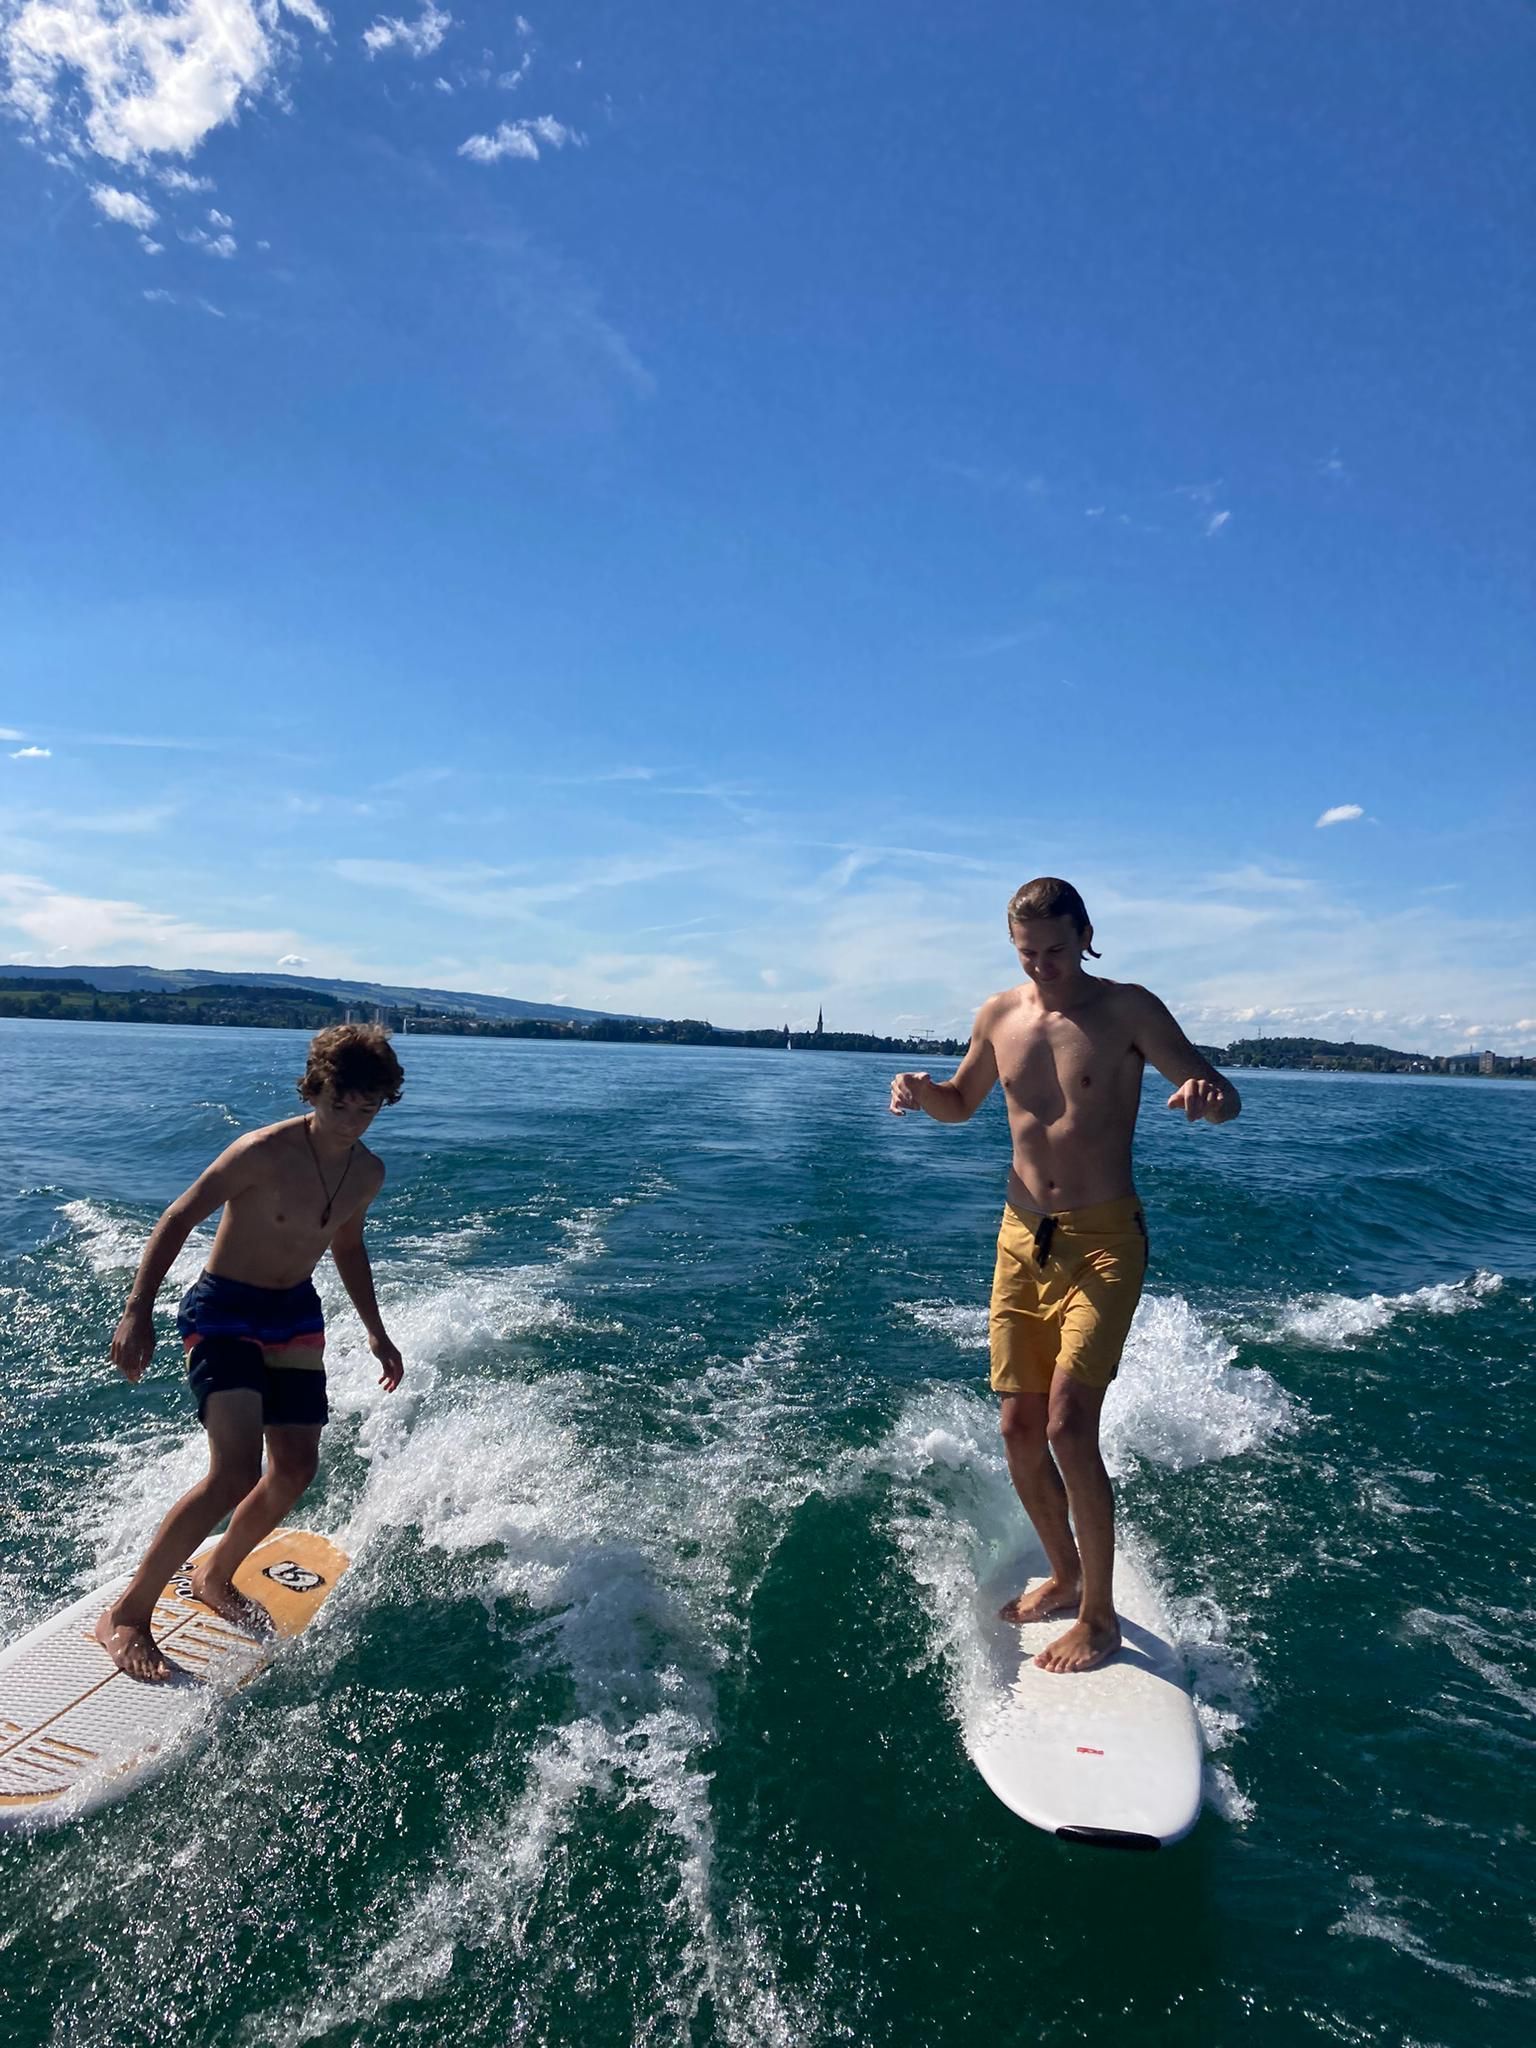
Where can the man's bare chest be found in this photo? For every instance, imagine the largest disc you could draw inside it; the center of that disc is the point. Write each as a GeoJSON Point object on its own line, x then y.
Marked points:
{"type": "Point", "coordinates": [1056, 1068]}
{"type": "Point", "coordinates": [301, 1198]}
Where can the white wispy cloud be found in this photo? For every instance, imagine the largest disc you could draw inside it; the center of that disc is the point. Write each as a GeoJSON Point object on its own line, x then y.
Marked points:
{"type": "Point", "coordinates": [64, 925]}
{"type": "Point", "coordinates": [519, 139]}
{"type": "Point", "coordinates": [9, 732]}
{"type": "Point", "coordinates": [549, 312]}
{"type": "Point", "coordinates": [1254, 880]}
{"type": "Point", "coordinates": [293, 960]}
{"type": "Point", "coordinates": [136, 822]}
{"type": "Point", "coordinates": [991, 644]}
{"type": "Point", "coordinates": [996, 477]}
{"type": "Point", "coordinates": [159, 297]}
{"type": "Point", "coordinates": [479, 891]}
{"type": "Point", "coordinates": [126, 207]}
{"type": "Point", "coordinates": [33, 754]}
{"type": "Point", "coordinates": [418, 38]}
{"type": "Point", "coordinates": [217, 219]}
{"type": "Point", "coordinates": [635, 774]}
{"type": "Point", "coordinates": [1340, 814]}
{"type": "Point", "coordinates": [222, 245]}
{"type": "Point", "coordinates": [175, 743]}
{"type": "Point", "coordinates": [1215, 523]}
{"type": "Point", "coordinates": [130, 79]}
{"type": "Point", "coordinates": [174, 180]}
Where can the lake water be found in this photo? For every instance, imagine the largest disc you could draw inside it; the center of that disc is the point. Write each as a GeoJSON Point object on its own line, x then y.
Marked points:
{"type": "Point", "coordinates": [639, 1718]}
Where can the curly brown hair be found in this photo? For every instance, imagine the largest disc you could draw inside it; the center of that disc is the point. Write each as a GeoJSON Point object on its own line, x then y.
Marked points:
{"type": "Point", "coordinates": [1049, 896]}
{"type": "Point", "coordinates": [357, 1059]}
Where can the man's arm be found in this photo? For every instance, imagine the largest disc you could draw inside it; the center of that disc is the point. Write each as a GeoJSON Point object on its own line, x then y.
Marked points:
{"type": "Point", "coordinates": [350, 1257]}
{"type": "Point", "coordinates": [1199, 1090]}
{"type": "Point", "coordinates": [956, 1100]}
{"type": "Point", "coordinates": [133, 1341]}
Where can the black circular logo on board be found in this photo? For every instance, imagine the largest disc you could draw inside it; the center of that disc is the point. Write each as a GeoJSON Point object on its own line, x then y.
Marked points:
{"type": "Point", "coordinates": [296, 1577]}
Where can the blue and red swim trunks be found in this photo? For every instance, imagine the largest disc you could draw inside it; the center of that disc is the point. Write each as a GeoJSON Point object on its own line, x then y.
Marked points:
{"type": "Point", "coordinates": [270, 1339]}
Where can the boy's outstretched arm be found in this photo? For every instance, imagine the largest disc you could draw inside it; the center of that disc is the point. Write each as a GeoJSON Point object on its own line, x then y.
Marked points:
{"type": "Point", "coordinates": [956, 1100]}
{"type": "Point", "coordinates": [1198, 1088]}
{"type": "Point", "coordinates": [350, 1256]}
{"type": "Point", "coordinates": [133, 1341]}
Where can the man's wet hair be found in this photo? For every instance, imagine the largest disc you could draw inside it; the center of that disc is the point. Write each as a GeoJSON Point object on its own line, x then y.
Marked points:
{"type": "Point", "coordinates": [1049, 896]}
{"type": "Point", "coordinates": [357, 1059]}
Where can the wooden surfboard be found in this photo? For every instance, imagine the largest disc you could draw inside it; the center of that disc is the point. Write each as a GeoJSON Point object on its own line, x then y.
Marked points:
{"type": "Point", "coordinates": [75, 1732]}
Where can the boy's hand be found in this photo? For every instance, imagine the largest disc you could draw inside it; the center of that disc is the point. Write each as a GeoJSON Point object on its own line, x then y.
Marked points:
{"type": "Point", "coordinates": [387, 1355]}
{"type": "Point", "coordinates": [133, 1342]}
{"type": "Point", "coordinates": [907, 1093]}
{"type": "Point", "coordinates": [1199, 1099]}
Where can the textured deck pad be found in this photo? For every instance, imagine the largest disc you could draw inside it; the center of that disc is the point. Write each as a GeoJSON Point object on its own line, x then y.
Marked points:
{"type": "Point", "coordinates": [74, 1730]}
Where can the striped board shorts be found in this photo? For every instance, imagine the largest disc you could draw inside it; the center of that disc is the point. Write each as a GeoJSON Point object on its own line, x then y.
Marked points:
{"type": "Point", "coordinates": [268, 1339]}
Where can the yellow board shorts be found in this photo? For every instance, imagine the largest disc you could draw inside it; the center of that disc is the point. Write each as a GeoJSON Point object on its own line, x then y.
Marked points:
{"type": "Point", "coordinates": [1063, 1294]}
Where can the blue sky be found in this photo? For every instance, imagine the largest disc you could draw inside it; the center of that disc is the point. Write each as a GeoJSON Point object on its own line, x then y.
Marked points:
{"type": "Point", "coordinates": [684, 508]}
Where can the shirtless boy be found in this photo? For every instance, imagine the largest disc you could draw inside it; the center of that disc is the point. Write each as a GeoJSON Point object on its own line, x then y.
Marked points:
{"type": "Point", "coordinates": [252, 1327]}
{"type": "Point", "coordinates": [1069, 1048]}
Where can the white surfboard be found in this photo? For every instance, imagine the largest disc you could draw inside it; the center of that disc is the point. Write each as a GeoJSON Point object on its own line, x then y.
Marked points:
{"type": "Point", "coordinates": [76, 1732]}
{"type": "Point", "coordinates": [1111, 1756]}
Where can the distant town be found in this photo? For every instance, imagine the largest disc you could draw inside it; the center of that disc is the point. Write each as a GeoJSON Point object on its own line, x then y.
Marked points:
{"type": "Point", "coordinates": [1322, 1055]}
{"type": "Point", "coordinates": [275, 1003]}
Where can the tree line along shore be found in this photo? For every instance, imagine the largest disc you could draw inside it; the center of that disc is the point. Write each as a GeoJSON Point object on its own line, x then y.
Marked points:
{"type": "Point", "coordinates": [231, 1003]}
{"type": "Point", "coordinates": [253, 1006]}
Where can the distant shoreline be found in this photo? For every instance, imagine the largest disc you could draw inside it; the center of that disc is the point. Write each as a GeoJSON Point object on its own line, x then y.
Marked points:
{"type": "Point", "coordinates": [279, 1010]}
{"type": "Point", "coordinates": [688, 1033]}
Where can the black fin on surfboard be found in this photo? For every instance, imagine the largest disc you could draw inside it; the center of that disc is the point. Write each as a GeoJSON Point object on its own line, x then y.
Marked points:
{"type": "Point", "coordinates": [1108, 1838]}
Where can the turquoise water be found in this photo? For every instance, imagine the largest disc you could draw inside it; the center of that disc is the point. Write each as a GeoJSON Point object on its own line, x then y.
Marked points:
{"type": "Point", "coordinates": [640, 1715]}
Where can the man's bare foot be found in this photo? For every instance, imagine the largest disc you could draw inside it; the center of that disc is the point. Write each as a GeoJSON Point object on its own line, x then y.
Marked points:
{"type": "Point", "coordinates": [1084, 1647]}
{"type": "Point", "coordinates": [133, 1649]}
{"type": "Point", "coordinates": [221, 1596]}
{"type": "Point", "coordinates": [1039, 1603]}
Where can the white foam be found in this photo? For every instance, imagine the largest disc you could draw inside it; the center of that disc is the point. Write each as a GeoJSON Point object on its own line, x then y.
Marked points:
{"type": "Point", "coordinates": [635, 1562]}
{"type": "Point", "coordinates": [583, 1228]}
{"type": "Point", "coordinates": [1335, 1320]}
{"type": "Point", "coordinates": [963, 1323]}
{"type": "Point", "coordinates": [115, 1244]}
{"type": "Point", "coordinates": [1225, 1686]}
{"type": "Point", "coordinates": [145, 1473]}
{"type": "Point", "coordinates": [1179, 1399]}
{"type": "Point", "coordinates": [1477, 1647]}
{"type": "Point", "coordinates": [1375, 1918]}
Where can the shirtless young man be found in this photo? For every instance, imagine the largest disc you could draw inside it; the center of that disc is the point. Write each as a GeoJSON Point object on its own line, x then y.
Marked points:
{"type": "Point", "coordinates": [1069, 1048]}
{"type": "Point", "coordinates": [252, 1327]}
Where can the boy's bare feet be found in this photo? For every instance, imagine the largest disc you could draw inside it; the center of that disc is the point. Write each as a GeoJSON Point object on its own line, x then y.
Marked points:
{"type": "Point", "coordinates": [1039, 1603]}
{"type": "Point", "coordinates": [1084, 1647]}
{"type": "Point", "coordinates": [133, 1649]}
{"type": "Point", "coordinates": [221, 1596]}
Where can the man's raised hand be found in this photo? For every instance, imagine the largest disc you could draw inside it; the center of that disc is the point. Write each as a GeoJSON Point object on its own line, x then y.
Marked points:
{"type": "Point", "coordinates": [907, 1093]}
{"type": "Point", "coordinates": [1199, 1099]}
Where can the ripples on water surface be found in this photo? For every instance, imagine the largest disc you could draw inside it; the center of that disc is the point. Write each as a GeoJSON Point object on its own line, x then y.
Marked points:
{"type": "Point", "coordinates": [640, 1715]}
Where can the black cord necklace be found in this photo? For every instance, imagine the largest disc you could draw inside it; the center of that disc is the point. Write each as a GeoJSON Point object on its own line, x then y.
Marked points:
{"type": "Point", "coordinates": [330, 1194]}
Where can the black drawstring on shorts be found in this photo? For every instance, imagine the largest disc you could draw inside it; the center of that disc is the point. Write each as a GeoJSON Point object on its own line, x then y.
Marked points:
{"type": "Point", "coordinates": [1045, 1230]}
